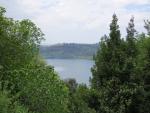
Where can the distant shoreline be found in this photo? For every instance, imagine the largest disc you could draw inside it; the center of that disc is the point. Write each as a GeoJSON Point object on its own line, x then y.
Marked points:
{"type": "Point", "coordinates": [69, 51]}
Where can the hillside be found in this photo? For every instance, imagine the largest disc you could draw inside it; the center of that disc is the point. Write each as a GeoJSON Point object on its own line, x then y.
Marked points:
{"type": "Point", "coordinates": [69, 51]}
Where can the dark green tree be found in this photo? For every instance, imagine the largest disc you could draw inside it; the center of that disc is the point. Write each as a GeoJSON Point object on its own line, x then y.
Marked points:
{"type": "Point", "coordinates": [106, 69]}
{"type": "Point", "coordinates": [113, 69]}
{"type": "Point", "coordinates": [80, 97]}
{"type": "Point", "coordinates": [133, 78]}
{"type": "Point", "coordinates": [108, 57]}
{"type": "Point", "coordinates": [131, 45]}
{"type": "Point", "coordinates": [147, 26]}
{"type": "Point", "coordinates": [144, 67]}
{"type": "Point", "coordinates": [72, 85]}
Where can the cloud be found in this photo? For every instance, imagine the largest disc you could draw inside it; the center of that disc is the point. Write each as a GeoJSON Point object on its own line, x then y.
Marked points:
{"type": "Point", "coordinates": [78, 20]}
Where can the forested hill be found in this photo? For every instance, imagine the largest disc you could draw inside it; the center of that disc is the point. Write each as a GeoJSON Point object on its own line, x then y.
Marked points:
{"type": "Point", "coordinates": [69, 51]}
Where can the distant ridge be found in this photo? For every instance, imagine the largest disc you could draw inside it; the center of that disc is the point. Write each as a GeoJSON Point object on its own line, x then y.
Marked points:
{"type": "Point", "coordinates": [69, 51]}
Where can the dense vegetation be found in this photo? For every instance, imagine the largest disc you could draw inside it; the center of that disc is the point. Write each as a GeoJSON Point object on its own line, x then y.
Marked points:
{"type": "Point", "coordinates": [121, 71]}
{"type": "Point", "coordinates": [120, 81]}
{"type": "Point", "coordinates": [69, 51]}
{"type": "Point", "coordinates": [27, 84]}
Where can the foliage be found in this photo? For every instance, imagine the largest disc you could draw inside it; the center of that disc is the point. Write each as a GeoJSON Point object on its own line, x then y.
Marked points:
{"type": "Point", "coordinates": [8, 102]}
{"type": "Point", "coordinates": [144, 66]}
{"type": "Point", "coordinates": [44, 92]}
{"type": "Point", "coordinates": [116, 74]}
{"type": "Point", "coordinates": [78, 97]}
{"type": "Point", "coordinates": [5, 102]}
{"type": "Point", "coordinates": [33, 86]}
{"type": "Point", "coordinates": [22, 39]}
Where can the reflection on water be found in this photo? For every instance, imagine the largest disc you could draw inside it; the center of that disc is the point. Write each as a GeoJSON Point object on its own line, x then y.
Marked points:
{"type": "Point", "coordinates": [72, 68]}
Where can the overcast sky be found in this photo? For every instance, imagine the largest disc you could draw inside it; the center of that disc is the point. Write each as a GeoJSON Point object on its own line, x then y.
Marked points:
{"type": "Point", "coordinates": [79, 21]}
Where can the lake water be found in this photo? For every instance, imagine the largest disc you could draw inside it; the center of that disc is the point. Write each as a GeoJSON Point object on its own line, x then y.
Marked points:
{"type": "Point", "coordinates": [73, 68]}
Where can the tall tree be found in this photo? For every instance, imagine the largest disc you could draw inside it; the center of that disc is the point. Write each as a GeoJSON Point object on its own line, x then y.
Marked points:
{"type": "Point", "coordinates": [108, 71]}
{"type": "Point", "coordinates": [131, 46]}
{"type": "Point", "coordinates": [131, 50]}
{"type": "Point", "coordinates": [107, 59]}
{"type": "Point", "coordinates": [114, 72]}
{"type": "Point", "coordinates": [147, 26]}
{"type": "Point", "coordinates": [144, 65]}
{"type": "Point", "coordinates": [131, 70]}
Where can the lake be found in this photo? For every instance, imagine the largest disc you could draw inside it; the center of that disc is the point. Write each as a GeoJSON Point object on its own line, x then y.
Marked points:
{"type": "Point", "coordinates": [73, 68]}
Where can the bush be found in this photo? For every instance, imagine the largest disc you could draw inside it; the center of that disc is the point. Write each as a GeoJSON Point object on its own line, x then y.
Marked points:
{"type": "Point", "coordinates": [5, 102]}
{"type": "Point", "coordinates": [41, 90]}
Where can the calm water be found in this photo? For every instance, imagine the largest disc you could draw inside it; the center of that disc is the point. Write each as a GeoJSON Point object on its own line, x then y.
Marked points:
{"type": "Point", "coordinates": [73, 68]}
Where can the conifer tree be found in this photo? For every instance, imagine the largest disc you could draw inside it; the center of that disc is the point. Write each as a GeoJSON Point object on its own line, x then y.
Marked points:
{"type": "Point", "coordinates": [145, 70]}
{"type": "Point", "coordinates": [147, 26]}
{"type": "Point", "coordinates": [131, 50]}
{"type": "Point", "coordinates": [108, 72]}
{"type": "Point", "coordinates": [131, 70]}
{"type": "Point", "coordinates": [107, 59]}
{"type": "Point", "coordinates": [131, 47]}
{"type": "Point", "coordinates": [115, 72]}
{"type": "Point", "coordinates": [146, 76]}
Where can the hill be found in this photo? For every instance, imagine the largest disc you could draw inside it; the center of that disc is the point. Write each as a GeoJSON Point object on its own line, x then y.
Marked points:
{"type": "Point", "coordinates": [69, 51]}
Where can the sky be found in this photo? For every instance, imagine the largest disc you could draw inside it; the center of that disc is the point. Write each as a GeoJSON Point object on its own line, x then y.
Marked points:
{"type": "Point", "coordinates": [78, 21]}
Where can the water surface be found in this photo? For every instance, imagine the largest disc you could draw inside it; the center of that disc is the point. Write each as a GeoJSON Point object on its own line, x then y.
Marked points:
{"type": "Point", "coordinates": [73, 68]}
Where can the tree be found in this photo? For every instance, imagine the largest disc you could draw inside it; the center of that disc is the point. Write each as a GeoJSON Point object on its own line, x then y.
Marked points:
{"type": "Point", "coordinates": [19, 41]}
{"type": "Point", "coordinates": [147, 26]}
{"type": "Point", "coordinates": [108, 58]}
{"type": "Point", "coordinates": [144, 66]}
{"type": "Point", "coordinates": [132, 70]}
{"type": "Point", "coordinates": [37, 86]}
{"type": "Point", "coordinates": [131, 46]}
{"type": "Point", "coordinates": [112, 73]}
{"type": "Point", "coordinates": [72, 85]}
{"type": "Point", "coordinates": [79, 99]}
{"type": "Point", "coordinates": [106, 68]}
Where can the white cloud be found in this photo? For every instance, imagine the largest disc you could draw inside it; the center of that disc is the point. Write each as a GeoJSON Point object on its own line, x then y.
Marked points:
{"type": "Point", "coordinates": [77, 20]}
